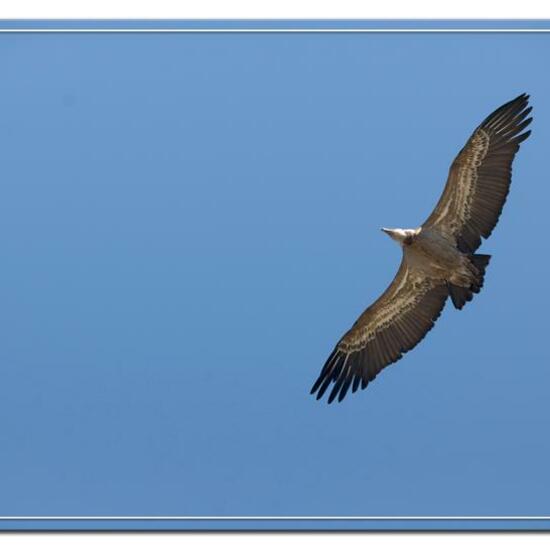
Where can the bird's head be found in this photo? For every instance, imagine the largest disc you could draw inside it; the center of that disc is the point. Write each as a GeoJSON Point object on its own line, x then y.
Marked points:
{"type": "Point", "coordinates": [401, 236]}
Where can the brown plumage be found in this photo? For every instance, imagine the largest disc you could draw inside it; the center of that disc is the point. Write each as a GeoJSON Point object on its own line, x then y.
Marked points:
{"type": "Point", "coordinates": [438, 257]}
{"type": "Point", "coordinates": [479, 178]}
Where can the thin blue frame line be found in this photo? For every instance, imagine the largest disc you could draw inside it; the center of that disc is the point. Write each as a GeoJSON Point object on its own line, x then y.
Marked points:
{"type": "Point", "coordinates": [276, 518]}
{"type": "Point", "coordinates": [258, 31]}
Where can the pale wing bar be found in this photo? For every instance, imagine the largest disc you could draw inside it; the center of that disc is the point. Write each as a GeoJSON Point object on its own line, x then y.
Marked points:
{"type": "Point", "coordinates": [393, 325]}
{"type": "Point", "coordinates": [479, 178]}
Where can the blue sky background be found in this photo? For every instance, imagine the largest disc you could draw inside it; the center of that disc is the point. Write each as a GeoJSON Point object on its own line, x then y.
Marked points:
{"type": "Point", "coordinates": [188, 223]}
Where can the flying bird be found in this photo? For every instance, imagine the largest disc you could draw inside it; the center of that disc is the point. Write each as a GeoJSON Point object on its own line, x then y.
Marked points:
{"type": "Point", "coordinates": [439, 258]}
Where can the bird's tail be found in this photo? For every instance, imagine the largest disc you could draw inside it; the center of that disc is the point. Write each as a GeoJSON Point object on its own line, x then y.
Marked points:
{"type": "Point", "coordinates": [459, 294]}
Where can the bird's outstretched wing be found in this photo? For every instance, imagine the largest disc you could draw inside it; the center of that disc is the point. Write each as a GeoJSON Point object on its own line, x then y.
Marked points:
{"type": "Point", "coordinates": [391, 326]}
{"type": "Point", "coordinates": [479, 178]}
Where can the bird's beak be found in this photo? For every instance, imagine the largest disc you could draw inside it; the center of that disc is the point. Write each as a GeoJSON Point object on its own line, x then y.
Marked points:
{"type": "Point", "coordinates": [386, 230]}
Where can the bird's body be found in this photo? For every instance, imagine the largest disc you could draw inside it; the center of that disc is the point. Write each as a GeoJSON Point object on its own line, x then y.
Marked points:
{"type": "Point", "coordinates": [433, 254]}
{"type": "Point", "coordinates": [439, 259]}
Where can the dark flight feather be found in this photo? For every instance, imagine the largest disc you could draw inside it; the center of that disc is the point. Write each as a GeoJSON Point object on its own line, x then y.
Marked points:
{"type": "Point", "coordinates": [479, 178]}
{"type": "Point", "coordinates": [369, 346]}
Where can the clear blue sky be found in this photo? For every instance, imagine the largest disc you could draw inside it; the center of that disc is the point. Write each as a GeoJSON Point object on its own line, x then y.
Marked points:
{"type": "Point", "coordinates": [188, 223]}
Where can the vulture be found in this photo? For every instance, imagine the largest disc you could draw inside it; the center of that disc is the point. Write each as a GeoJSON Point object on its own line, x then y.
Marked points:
{"type": "Point", "coordinates": [439, 258]}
